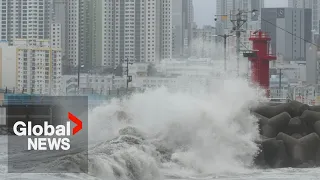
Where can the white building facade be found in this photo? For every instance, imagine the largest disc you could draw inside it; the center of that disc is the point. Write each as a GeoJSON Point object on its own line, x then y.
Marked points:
{"type": "Point", "coordinates": [27, 19]}
{"type": "Point", "coordinates": [91, 83]}
{"type": "Point", "coordinates": [75, 26]}
{"type": "Point", "coordinates": [137, 30]}
{"type": "Point", "coordinates": [38, 67]}
{"type": "Point", "coordinates": [8, 66]}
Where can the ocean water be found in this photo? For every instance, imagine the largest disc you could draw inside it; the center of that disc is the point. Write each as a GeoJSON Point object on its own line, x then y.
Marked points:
{"type": "Point", "coordinates": [163, 135]}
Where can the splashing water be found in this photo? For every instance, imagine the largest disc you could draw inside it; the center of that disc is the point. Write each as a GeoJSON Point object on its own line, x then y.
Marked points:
{"type": "Point", "coordinates": [160, 134]}
{"type": "Point", "coordinates": [176, 133]}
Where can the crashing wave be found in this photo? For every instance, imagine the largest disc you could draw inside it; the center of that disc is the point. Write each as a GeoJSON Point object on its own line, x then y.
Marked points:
{"type": "Point", "coordinates": [159, 133]}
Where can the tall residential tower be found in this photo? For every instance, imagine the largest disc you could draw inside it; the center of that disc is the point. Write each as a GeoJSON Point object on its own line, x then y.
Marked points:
{"type": "Point", "coordinates": [140, 30]}
{"type": "Point", "coordinates": [25, 19]}
{"type": "Point", "coordinates": [182, 21]}
{"type": "Point", "coordinates": [312, 4]}
{"type": "Point", "coordinates": [77, 36]}
{"type": "Point", "coordinates": [297, 21]}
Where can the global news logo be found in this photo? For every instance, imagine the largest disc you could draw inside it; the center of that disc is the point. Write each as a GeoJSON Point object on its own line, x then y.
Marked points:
{"type": "Point", "coordinates": [48, 137]}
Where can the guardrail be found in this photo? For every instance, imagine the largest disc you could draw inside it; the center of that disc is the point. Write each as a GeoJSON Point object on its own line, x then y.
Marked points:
{"type": "Point", "coordinates": [278, 100]}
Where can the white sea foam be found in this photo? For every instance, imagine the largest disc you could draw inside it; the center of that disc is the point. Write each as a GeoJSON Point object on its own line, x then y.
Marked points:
{"type": "Point", "coordinates": [208, 133]}
{"type": "Point", "coordinates": [166, 135]}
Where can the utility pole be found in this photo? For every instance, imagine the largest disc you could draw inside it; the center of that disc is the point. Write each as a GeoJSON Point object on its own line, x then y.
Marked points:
{"type": "Point", "coordinates": [280, 77]}
{"type": "Point", "coordinates": [78, 72]}
{"type": "Point", "coordinates": [225, 36]}
{"type": "Point", "coordinates": [203, 39]}
{"type": "Point", "coordinates": [238, 19]}
{"type": "Point", "coordinates": [129, 78]}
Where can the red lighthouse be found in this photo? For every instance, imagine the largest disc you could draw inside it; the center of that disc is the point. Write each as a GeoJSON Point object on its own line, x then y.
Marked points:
{"type": "Point", "coordinates": [260, 62]}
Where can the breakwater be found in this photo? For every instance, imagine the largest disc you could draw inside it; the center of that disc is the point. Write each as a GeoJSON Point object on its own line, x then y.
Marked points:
{"type": "Point", "coordinates": [289, 135]}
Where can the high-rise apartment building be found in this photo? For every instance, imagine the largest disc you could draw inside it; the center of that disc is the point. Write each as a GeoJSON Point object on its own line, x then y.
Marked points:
{"type": "Point", "coordinates": [77, 32]}
{"type": "Point", "coordinates": [224, 7]}
{"type": "Point", "coordinates": [8, 64]}
{"type": "Point", "coordinates": [166, 29]}
{"type": "Point", "coordinates": [27, 19]}
{"type": "Point", "coordinates": [138, 30]}
{"type": "Point", "coordinates": [297, 23]}
{"type": "Point", "coordinates": [95, 34]}
{"type": "Point", "coordinates": [59, 16]}
{"type": "Point", "coordinates": [312, 4]}
{"type": "Point", "coordinates": [39, 64]}
{"type": "Point", "coordinates": [182, 21]}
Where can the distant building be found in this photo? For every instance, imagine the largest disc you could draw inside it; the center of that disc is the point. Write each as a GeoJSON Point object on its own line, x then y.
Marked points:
{"type": "Point", "coordinates": [190, 68]}
{"type": "Point", "coordinates": [307, 94]}
{"type": "Point", "coordinates": [19, 20]}
{"type": "Point", "coordinates": [98, 83]}
{"type": "Point", "coordinates": [91, 83]}
{"type": "Point", "coordinates": [290, 43]}
{"type": "Point", "coordinates": [59, 16]}
{"type": "Point", "coordinates": [95, 34]}
{"type": "Point", "coordinates": [278, 89]}
{"type": "Point", "coordinates": [174, 83]}
{"type": "Point", "coordinates": [203, 41]}
{"type": "Point", "coordinates": [8, 66]}
{"type": "Point", "coordinates": [312, 65]}
{"type": "Point", "coordinates": [138, 30]}
{"type": "Point", "coordinates": [317, 40]}
{"type": "Point", "coordinates": [77, 36]}
{"type": "Point", "coordinates": [314, 5]}
{"type": "Point", "coordinates": [182, 21]}
{"type": "Point", "coordinates": [224, 7]}
{"type": "Point", "coordinates": [38, 66]}
{"type": "Point", "coordinates": [294, 72]}
{"type": "Point", "coordinates": [227, 7]}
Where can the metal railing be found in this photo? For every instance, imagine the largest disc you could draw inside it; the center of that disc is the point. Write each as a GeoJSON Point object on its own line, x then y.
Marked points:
{"type": "Point", "coordinates": [259, 34]}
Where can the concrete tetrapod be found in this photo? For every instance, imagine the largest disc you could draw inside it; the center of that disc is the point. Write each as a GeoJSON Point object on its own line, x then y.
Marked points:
{"type": "Point", "coordinates": [272, 154]}
{"type": "Point", "coordinates": [311, 118]}
{"type": "Point", "coordinates": [294, 108]}
{"type": "Point", "coordinates": [298, 136]}
{"type": "Point", "coordinates": [315, 108]}
{"type": "Point", "coordinates": [271, 127]}
{"type": "Point", "coordinates": [296, 128]}
{"type": "Point", "coordinates": [261, 121]}
{"type": "Point", "coordinates": [301, 151]}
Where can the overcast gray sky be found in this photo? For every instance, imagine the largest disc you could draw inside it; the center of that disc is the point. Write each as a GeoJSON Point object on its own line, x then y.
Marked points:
{"type": "Point", "coordinates": [204, 10]}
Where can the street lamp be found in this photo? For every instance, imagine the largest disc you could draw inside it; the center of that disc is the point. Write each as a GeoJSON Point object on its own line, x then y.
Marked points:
{"type": "Point", "coordinates": [224, 36]}
{"type": "Point", "coordinates": [113, 76]}
{"type": "Point", "coordinates": [79, 66]}
{"type": "Point", "coordinates": [129, 78]}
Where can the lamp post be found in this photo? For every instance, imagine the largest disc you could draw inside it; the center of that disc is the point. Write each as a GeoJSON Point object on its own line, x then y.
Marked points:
{"type": "Point", "coordinates": [112, 80]}
{"type": "Point", "coordinates": [79, 67]}
{"type": "Point", "coordinates": [224, 36]}
{"type": "Point", "coordinates": [129, 78]}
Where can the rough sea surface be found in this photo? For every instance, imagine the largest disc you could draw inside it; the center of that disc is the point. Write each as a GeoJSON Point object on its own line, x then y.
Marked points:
{"type": "Point", "coordinates": [162, 135]}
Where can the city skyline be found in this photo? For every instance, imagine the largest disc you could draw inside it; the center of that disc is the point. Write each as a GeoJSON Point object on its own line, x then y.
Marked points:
{"type": "Point", "coordinates": [83, 45]}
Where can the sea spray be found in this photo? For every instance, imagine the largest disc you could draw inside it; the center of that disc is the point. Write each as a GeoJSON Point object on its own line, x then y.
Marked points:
{"type": "Point", "coordinates": [160, 133]}
{"type": "Point", "coordinates": [205, 133]}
